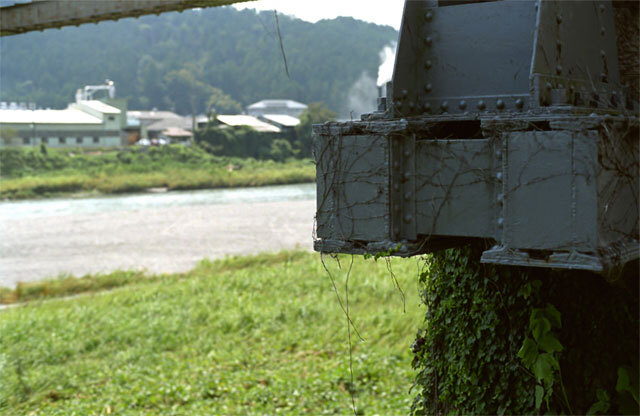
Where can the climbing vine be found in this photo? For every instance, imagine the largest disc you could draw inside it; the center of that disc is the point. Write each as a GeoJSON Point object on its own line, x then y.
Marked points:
{"type": "Point", "coordinates": [501, 340]}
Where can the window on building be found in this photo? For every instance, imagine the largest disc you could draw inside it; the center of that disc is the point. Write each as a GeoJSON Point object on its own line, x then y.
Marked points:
{"type": "Point", "coordinates": [26, 140]}
{"type": "Point", "coordinates": [79, 140]}
{"type": "Point", "coordinates": [111, 118]}
{"type": "Point", "coordinates": [45, 140]}
{"type": "Point", "coordinates": [96, 140]}
{"type": "Point", "coordinates": [62, 140]}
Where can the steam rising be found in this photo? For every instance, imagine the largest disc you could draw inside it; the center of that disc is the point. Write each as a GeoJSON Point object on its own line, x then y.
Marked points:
{"type": "Point", "coordinates": [387, 57]}
{"type": "Point", "coordinates": [364, 92]}
{"type": "Point", "coordinates": [362, 97]}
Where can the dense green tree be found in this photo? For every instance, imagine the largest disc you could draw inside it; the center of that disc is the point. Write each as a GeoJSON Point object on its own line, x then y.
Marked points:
{"type": "Point", "coordinates": [152, 89]}
{"type": "Point", "coordinates": [221, 103]}
{"type": "Point", "coordinates": [281, 150]}
{"type": "Point", "coordinates": [314, 114]}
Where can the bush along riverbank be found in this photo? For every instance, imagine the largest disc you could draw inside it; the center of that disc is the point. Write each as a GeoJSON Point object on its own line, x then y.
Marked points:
{"type": "Point", "coordinates": [42, 172]}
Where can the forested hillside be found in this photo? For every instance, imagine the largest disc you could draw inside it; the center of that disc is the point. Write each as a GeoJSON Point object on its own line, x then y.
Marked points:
{"type": "Point", "coordinates": [218, 57]}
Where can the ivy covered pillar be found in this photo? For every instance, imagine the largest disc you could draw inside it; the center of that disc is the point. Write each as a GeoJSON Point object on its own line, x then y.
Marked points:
{"type": "Point", "coordinates": [504, 340]}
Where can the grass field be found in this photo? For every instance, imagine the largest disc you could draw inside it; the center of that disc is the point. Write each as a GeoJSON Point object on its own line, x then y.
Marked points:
{"type": "Point", "coordinates": [28, 173]}
{"type": "Point", "coordinates": [251, 335]}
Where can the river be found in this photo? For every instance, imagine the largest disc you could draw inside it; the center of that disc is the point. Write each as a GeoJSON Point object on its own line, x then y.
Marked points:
{"type": "Point", "coordinates": [157, 232]}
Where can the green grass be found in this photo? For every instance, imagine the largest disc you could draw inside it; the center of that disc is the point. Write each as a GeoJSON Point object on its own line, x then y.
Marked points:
{"type": "Point", "coordinates": [172, 179]}
{"type": "Point", "coordinates": [245, 335]}
{"type": "Point", "coordinates": [27, 173]}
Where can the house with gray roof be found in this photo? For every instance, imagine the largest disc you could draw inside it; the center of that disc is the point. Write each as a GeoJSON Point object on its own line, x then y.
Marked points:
{"type": "Point", "coordinates": [286, 107]}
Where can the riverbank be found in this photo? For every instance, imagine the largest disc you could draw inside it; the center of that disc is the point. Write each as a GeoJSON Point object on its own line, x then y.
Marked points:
{"type": "Point", "coordinates": [246, 335]}
{"type": "Point", "coordinates": [37, 173]}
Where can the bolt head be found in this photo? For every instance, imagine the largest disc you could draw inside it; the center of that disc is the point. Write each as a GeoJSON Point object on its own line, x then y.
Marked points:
{"type": "Point", "coordinates": [428, 87]}
{"type": "Point", "coordinates": [481, 105]}
{"type": "Point", "coordinates": [500, 221]}
{"type": "Point", "coordinates": [500, 104]}
{"type": "Point", "coordinates": [406, 176]}
{"type": "Point", "coordinates": [558, 69]}
{"type": "Point", "coordinates": [603, 77]}
{"type": "Point", "coordinates": [427, 107]}
{"type": "Point", "coordinates": [429, 15]}
{"type": "Point", "coordinates": [519, 103]}
{"type": "Point", "coordinates": [444, 106]}
{"type": "Point", "coordinates": [559, 19]}
{"type": "Point", "coordinates": [428, 63]}
{"type": "Point", "coordinates": [462, 104]}
{"type": "Point", "coordinates": [396, 187]}
{"type": "Point", "coordinates": [499, 176]}
{"type": "Point", "coordinates": [407, 196]}
{"type": "Point", "coordinates": [407, 153]}
{"type": "Point", "coordinates": [428, 40]}
{"type": "Point", "coordinates": [405, 93]}
{"type": "Point", "coordinates": [408, 218]}
{"type": "Point", "coordinates": [412, 105]}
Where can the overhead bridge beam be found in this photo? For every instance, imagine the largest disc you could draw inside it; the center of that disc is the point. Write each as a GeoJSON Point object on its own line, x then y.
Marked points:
{"type": "Point", "coordinates": [47, 14]}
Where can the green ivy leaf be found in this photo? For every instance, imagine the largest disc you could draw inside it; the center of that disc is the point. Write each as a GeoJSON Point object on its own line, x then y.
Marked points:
{"type": "Point", "coordinates": [549, 343]}
{"type": "Point", "coordinates": [528, 352]}
{"type": "Point", "coordinates": [540, 326]}
{"type": "Point", "coordinates": [625, 382]}
{"type": "Point", "coordinates": [539, 395]}
{"type": "Point", "coordinates": [602, 395]}
{"type": "Point", "coordinates": [543, 367]}
{"type": "Point", "coordinates": [602, 405]}
{"type": "Point", "coordinates": [553, 315]}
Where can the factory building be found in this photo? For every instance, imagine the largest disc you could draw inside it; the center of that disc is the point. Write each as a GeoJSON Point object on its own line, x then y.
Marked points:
{"type": "Point", "coordinates": [85, 123]}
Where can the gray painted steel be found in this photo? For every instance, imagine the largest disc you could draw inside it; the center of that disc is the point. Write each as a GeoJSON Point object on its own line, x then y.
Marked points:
{"type": "Point", "coordinates": [46, 14]}
{"type": "Point", "coordinates": [505, 121]}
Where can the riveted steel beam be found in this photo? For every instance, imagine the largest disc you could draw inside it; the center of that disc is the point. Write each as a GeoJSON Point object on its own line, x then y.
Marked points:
{"type": "Point", "coordinates": [505, 121]}
{"type": "Point", "coordinates": [47, 14]}
{"type": "Point", "coordinates": [549, 191]}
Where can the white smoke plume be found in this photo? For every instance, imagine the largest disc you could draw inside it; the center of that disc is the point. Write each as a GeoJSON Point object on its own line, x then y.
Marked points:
{"type": "Point", "coordinates": [364, 92]}
{"type": "Point", "coordinates": [387, 59]}
{"type": "Point", "coordinates": [362, 97]}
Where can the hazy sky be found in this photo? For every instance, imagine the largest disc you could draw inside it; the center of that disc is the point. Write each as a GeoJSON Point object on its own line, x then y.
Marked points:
{"type": "Point", "coordinates": [382, 12]}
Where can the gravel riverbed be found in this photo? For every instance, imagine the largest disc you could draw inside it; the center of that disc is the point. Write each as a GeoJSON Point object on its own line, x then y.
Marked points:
{"type": "Point", "coordinates": [164, 239]}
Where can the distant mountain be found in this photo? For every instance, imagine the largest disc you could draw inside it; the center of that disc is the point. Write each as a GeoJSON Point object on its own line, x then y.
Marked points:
{"type": "Point", "coordinates": [218, 57]}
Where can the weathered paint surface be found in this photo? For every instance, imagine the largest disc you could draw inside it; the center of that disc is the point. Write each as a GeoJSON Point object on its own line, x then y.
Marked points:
{"type": "Point", "coordinates": [46, 14]}
{"type": "Point", "coordinates": [521, 135]}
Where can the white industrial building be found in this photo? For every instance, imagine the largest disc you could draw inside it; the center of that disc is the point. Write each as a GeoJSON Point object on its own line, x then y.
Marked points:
{"type": "Point", "coordinates": [85, 123]}
{"type": "Point", "coordinates": [89, 123]}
